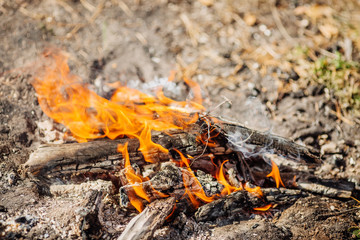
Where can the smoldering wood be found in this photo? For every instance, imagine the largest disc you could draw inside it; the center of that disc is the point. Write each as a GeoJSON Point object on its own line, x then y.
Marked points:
{"type": "Point", "coordinates": [168, 181]}
{"type": "Point", "coordinates": [239, 204]}
{"type": "Point", "coordinates": [99, 156]}
{"type": "Point", "coordinates": [144, 224]}
{"type": "Point", "coordinates": [307, 181]}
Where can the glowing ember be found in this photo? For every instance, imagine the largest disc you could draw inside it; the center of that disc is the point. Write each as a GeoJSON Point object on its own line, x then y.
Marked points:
{"type": "Point", "coordinates": [275, 174]}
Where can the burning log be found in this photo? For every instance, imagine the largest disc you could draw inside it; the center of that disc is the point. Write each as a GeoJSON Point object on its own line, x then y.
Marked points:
{"type": "Point", "coordinates": [100, 156]}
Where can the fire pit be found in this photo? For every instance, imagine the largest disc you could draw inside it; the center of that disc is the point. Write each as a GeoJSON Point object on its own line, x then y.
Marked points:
{"type": "Point", "coordinates": [167, 160]}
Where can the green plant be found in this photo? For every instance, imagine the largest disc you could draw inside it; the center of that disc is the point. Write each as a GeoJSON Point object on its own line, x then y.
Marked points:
{"type": "Point", "coordinates": [341, 76]}
{"type": "Point", "coordinates": [355, 232]}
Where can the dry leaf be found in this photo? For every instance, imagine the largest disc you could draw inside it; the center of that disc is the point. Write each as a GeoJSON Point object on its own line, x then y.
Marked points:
{"type": "Point", "coordinates": [328, 30]}
{"type": "Point", "coordinates": [250, 19]}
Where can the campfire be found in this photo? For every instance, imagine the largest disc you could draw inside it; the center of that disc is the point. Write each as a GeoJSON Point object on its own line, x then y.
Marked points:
{"type": "Point", "coordinates": [166, 157]}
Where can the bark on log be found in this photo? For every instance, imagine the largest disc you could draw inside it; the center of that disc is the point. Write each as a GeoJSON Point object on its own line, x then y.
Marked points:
{"type": "Point", "coordinates": [101, 155]}
{"type": "Point", "coordinates": [143, 226]}
{"type": "Point", "coordinates": [332, 188]}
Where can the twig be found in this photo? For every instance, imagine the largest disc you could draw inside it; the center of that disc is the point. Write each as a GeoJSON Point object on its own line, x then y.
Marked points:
{"type": "Point", "coordinates": [327, 215]}
{"type": "Point", "coordinates": [226, 100]}
{"type": "Point", "coordinates": [125, 8]}
{"type": "Point", "coordinates": [206, 143]}
{"type": "Point", "coordinates": [280, 26]}
{"type": "Point", "coordinates": [87, 5]}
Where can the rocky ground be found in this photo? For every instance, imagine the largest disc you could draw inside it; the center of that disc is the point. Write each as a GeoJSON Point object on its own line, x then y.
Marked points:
{"type": "Point", "coordinates": [288, 67]}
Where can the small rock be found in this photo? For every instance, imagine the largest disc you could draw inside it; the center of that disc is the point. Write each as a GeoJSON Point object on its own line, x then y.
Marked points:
{"type": "Point", "coordinates": [257, 217]}
{"type": "Point", "coordinates": [255, 226]}
{"type": "Point", "coordinates": [21, 219]}
{"type": "Point", "coordinates": [309, 140]}
{"type": "Point", "coordinates": [12, 179]}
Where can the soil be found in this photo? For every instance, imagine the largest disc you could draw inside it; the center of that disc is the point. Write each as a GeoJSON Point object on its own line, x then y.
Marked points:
{"type": "Point", "coordinates": [244, 55]}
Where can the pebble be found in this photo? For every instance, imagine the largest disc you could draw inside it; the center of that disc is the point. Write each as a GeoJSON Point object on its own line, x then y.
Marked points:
{"type": "Point", "coordinates": [255, 226]}
{"type": "Point", "coordinates": [11, 178]}
{"type": "Point", "coordinates": [257, 217]}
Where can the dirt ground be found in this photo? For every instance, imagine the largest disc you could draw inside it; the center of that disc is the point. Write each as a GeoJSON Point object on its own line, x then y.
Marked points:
{"type": "Point", "coordinates": [287, 67]}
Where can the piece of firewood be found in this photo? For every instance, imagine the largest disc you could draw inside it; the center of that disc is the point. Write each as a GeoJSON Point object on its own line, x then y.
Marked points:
{"type": "Point", "coordinates": [144, 224]}
{"type": "Point", "coordinates": [330, 188]}
{"type": "Point", "coordinates": [98, 156]}
{"type": "Point", "coordinates": [101, 155]}
{"type": "Point", "coordinates": [269, 141]}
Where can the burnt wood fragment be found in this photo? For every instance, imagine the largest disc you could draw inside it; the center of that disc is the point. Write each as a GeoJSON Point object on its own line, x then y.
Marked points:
{"type": "Point", "coordinates": [144, 224]}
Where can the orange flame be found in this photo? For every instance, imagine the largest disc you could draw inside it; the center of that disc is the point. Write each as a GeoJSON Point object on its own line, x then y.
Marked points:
{"type": "Point", "coordinates": [275, 174]}
{"type": "Point", "coordinates": [129, 112]}
{"type": "Point", "coordinates": [222, 180]}
{"type": "Point", "coordinates": [172, 212]}
{"type": "Point", "coordinates": [134, 180]}
{"type": "Point", "coordinates": [263, 208]}
{"type": "Point", "coordinates": [207, 138]}
{"type": "Point", "coordinates": [254, 190]}
{"type": "Point", "coordinates": [192, 185]}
